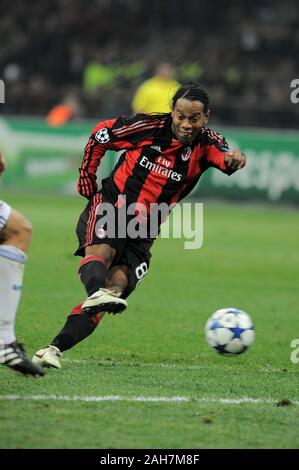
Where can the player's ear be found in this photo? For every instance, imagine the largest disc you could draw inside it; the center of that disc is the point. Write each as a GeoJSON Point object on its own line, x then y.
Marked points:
{"type": "Point", "coordinates": [207, 116]}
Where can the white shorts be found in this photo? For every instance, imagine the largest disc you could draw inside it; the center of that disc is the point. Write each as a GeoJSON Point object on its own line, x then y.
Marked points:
{"type": "Point", "coordinates": [5, 210]}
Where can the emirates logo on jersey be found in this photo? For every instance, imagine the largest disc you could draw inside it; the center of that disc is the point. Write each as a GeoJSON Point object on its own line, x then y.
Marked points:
{"type": "Point", "coordinates": [102, 136]}
{"type": "Point", "coordinates": [186, 154]}
{"type": "Point", "coordinates": [160, 169]}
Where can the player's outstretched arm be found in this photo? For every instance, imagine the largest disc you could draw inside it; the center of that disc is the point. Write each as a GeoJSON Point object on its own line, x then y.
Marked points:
{"type": "Point", "coordinates": [234, 159]}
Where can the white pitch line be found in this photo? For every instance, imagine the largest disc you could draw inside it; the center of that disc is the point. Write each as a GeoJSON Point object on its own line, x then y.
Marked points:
{"type": "Point", "coordinates": [113, 398]}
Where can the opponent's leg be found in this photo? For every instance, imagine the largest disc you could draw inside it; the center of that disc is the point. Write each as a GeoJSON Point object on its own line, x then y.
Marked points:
{"type": "Point", "coordinates": [15, 236]}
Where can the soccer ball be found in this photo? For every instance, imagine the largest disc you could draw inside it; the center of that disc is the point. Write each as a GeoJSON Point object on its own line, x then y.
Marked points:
{"type": "Point", "coordinates": [229, 331]}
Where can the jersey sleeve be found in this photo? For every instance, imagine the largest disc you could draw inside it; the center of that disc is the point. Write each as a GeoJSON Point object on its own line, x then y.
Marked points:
{"type": "Point", "coordinates": [115, 134]}
{"type": "Point", "coordinates": [216, 149]}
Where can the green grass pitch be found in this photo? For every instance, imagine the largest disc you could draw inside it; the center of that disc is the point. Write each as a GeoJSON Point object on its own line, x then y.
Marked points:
{"type": "Point", "coordinates": [156, 349]}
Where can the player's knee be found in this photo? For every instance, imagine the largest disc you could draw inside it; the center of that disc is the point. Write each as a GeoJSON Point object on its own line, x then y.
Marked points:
{"type": "Point", "coordinates": [24, 229]}
{"type": "Point", "coordinates": [18, 231]}
{"type": "Point", "coordinates": [105, 252]}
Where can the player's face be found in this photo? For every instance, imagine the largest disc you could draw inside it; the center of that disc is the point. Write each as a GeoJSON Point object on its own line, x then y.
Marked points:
{"type": "Point", "coordinates": [188, 117]}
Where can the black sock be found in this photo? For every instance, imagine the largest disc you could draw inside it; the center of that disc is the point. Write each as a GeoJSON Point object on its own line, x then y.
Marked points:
{"type": "Point", "coordinates": [93, 273]}
{"type": "Point", "coordinates": [76, 328]}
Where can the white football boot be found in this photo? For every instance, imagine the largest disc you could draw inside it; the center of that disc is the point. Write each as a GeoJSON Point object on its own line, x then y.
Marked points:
{"type": "Point", "coordinates": [48, 357]}
{"type": "Point", "coordinates": [104, 300]}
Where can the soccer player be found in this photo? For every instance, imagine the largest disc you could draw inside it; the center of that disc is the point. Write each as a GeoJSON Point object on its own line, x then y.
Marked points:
{"type": "Point", "coordinates": [163, 157]}
{"type": "Point", "coordinates": [15, 235]}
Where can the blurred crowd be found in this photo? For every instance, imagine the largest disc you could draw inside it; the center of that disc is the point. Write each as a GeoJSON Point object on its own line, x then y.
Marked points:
{"type": "Point", "coordinates": [96, 53]}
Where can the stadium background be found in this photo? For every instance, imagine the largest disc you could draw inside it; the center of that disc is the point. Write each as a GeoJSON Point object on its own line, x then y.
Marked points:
{"type": "Point", "coordinates": [246, 56]}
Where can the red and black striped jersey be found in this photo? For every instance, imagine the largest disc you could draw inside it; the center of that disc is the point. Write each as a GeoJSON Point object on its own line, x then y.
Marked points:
{"type": "Point", "coordinates": [154, 167]}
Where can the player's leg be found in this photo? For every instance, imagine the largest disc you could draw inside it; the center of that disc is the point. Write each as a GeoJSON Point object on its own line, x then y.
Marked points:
{"type": "Point", "coordinates": [121, 279]}
{"type": "Point", "coordinates": [101, 298]}
{"type": "Point", "coordinates": [15, 236]}
{"type": "Point", "coordinates": [98, 254]}
{"type": "Point", "coordinates": [134, 266]}
{"type": "Point", "coordinates": [15, 239]}
{"type": "Point", "coordinates": [99, 251]}
{"type": "Point", "coordinates": [79, 325]}
{"type": "Point", "coordinates": [117, 279]}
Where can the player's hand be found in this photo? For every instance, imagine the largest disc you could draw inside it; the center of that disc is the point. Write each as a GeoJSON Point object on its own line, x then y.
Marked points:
{"type": "Point", "coordinates": [3, 163]}
{"type": "Point", "coordinates": [87, 184]}
{"type": "Point", "coordinates": [234, 159]}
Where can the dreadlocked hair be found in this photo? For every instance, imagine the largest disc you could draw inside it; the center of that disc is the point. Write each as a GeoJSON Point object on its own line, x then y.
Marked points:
{"type": "Point", "coordinates": [192, 91]}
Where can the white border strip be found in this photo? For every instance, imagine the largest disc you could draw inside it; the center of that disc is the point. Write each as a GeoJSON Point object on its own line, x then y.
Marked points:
{"type": "Point", "coordinates": [113, 398]}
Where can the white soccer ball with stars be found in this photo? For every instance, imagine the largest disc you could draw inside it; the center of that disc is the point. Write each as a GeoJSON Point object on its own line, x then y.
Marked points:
{"type": "Point", "coordinates": [229, 331]}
